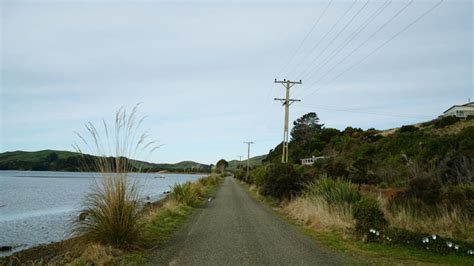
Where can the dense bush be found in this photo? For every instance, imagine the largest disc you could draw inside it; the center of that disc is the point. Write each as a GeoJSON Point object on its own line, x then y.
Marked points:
{"type": "Point", "coordinates": [409, 128]}
{"type": "Point", "coordinates": [334, 191]}
{"type": "Point", "coordinates": [368, 215]}
{"type": "Point", "coordinates": [427, 189]}
{"type": "Point", "coordinates": [281, 181]}
{"type": "Point", "coordinates": [446, 121]}
{"type": "Point", "coordinates": [257, 176]}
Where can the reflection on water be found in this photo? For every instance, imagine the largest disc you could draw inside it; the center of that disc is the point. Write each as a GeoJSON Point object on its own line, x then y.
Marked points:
{"type": "Point", "coordinates": [38, 207]}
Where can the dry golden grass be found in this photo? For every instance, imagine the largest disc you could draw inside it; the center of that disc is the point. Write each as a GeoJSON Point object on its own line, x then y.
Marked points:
{"type": "Point", "coordinates": [448, 223]}
{"type": "Point", "coordinates": [453, 129]}
{"type": "Point", "coordinates": [96, 254]}
{"type": "Point", "coordinates": [316, 213]}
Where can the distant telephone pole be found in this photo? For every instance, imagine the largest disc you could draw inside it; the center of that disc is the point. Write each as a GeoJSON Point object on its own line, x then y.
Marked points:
{"type": "Point", "coordinates": [286, 102]}
{"type": "Point", "coordinates": [248, 156]}
{"type": "Point", "coordinates": [240, 160]}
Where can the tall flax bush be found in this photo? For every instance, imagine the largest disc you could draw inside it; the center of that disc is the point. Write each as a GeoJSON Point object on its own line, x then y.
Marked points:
{"type": "Point", "coordinates": [334, 191]}
{"type": "Point", "coordinates": [113, 203]}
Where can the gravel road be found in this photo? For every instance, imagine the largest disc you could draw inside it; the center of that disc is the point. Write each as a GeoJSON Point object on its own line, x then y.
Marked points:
{"type": "Point", "coordinates": [234, 229]}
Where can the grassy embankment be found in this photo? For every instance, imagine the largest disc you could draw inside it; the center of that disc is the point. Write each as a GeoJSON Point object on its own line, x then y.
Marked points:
{"type": "Point", "coordinates": [332, 228]}
{"type": "Point", "coordinates": [158, 221]}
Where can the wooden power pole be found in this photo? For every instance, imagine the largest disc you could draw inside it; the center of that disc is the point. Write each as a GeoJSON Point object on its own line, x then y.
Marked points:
{"type": "Point", "coordinates": [248, 156]}
{"type": "Point", "coordinates": [286, 102]}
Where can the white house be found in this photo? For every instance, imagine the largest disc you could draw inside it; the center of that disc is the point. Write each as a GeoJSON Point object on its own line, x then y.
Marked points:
{"type": "Point", "coordinates": [461, 111]}
{"type": "Point", "coordinates": [310, 161]}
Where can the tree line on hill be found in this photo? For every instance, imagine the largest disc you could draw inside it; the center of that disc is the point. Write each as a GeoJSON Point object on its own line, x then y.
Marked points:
{"type": "Point", "coordinates": [89, 163]}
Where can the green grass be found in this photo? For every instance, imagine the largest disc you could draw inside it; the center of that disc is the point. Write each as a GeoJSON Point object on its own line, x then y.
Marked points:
{"type": "Point", "coordinates": [380, 253]}
{"type": "Point", "coordinates": [373, 253]}
{"type": "Point", "coordinates": [166, 223]}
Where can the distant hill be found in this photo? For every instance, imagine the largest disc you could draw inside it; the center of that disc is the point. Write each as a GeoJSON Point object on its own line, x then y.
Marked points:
{"type": "Point", "coordinates": [254, 161]}
{"type": "Point", "coordinates": [56, 160]}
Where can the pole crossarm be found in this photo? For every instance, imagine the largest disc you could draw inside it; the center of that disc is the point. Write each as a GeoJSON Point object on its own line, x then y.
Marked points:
{"type": "Point", "coordinates": [283, 101]}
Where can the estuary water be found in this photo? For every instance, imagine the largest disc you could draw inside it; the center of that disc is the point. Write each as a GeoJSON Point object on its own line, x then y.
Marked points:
{"type": "Point", "coordinates": [39, 207]}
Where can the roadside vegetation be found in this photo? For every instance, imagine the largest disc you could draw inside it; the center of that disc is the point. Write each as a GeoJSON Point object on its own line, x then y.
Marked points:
{"type": "Point", "coordinates": [412, 188]}
{"type": "Point", "coordinates": [116, 225]}
{"type": "Point", "coordinates": [158, 221]}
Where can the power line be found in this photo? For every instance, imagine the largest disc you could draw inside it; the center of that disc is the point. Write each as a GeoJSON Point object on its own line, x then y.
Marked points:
{"type": "Point", "coordinates": [305, 38]}
{"type": "Point", "coordinates": [322, 39]}
{"type": "Point", "coordinates": [353, 36]}
{"type": "Point", "coordinates": [328, 108]}
{"type": "Point", "coordinates": [379, 47]}
{"type": "Point", "coordinates": [302, 74]}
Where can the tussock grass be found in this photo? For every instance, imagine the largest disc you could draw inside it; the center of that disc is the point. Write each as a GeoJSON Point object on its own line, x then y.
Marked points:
{"type": "Point", "coordinates": [325, 204]}
{"type": "Point", "coordinates": [187, 193]}
{"type": "Point", "coordinates": [317, 213]}
{"type": "Point", "coordinates": [191, 193]}
{"type": "Point", "coordinates": [113, 203]}
{"type": "Point", "coordinates": [334, 191]}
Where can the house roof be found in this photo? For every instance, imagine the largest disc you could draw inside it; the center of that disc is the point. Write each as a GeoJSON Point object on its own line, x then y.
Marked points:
{"type": "Point", "coordinates": [467, 104]}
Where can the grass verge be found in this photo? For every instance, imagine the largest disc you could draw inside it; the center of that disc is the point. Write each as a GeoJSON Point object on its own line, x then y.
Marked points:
{"type": "Point", "coordinates": [372, 253]}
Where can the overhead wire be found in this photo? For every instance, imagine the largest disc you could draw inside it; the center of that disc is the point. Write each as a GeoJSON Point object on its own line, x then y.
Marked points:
{"type": "Point", "coordinates": [351, 37]}
{"type": "Point", "coordinates": [322, 39]}
{"type": "Point", "coordinates": [305, 38]}
{"type": "Point", "coordinates": [376, 49]}
{"type": "Point", "coordinates": [328, 108]}
{"type": "Point", "coordinates": [349, 22]}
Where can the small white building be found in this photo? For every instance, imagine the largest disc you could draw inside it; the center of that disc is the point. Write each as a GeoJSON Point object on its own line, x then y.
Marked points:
{"type": "Point", "coordinates": [310, 161]}
{"type": "Point", "coordinates": [461, 111]}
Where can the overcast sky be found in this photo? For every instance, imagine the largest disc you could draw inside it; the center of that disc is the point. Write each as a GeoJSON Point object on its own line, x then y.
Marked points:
{"type": "Point", "coordinates": [204, 70]}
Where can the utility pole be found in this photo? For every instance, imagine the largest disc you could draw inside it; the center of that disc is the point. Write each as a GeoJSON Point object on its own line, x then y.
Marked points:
{"type": "Point", "coordinates": [248, 156]}
{"type": "Point", "coordinates": [286, 102]}
{"type": "Point", "coordinates": [240, 160]}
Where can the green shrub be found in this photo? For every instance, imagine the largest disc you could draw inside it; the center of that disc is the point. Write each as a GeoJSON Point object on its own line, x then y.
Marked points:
{"type": "Point", "coordinates": [428, 123]}
{"type": "Point", "coordinates": [240, 174]}
{"type": "Point", "coordinates": [281, 181]}
{"type": "Point", "coordinates": [257, 176]}
{"type": "Point", "coordinates": [470, 117]}
{"type": "Point", "coordinates": [185, 194]}
{"type": "Point", "coordinates": [421, 240]}
{"type": "Point", "coordinates": [446, 121]}
{"type": "Point", "coordinates": [337, 167]}
{"type": "Point", "coordinates": [409, 128]}
{"type": "Point", "coordinates": [334, 191]}
{"type": "Point", "coordinates": [368, 215]}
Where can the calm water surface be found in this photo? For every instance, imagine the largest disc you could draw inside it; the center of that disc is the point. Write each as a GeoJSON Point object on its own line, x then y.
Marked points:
{"type": "Point", "coordinates": [38, 207]}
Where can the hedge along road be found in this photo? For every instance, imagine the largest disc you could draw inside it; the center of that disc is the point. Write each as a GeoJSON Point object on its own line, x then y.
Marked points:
{"type": "Point", "coordinates": [233, 229]}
